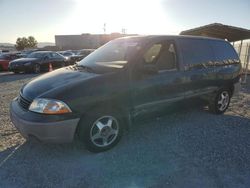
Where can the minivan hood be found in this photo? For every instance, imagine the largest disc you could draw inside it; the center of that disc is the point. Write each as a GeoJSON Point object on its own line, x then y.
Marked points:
{"type": "Point", "coordinates": [59, 78]}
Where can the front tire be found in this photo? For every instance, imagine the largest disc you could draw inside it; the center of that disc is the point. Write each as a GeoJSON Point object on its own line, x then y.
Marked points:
{"type": "Point", "coordinates": [100, 131]}
{"type": "Point", "coordinates": [220, 102]}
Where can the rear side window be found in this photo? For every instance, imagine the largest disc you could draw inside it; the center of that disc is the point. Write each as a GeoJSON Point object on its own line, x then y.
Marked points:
{"type": "Point", "coordinates": [196, 51]}
{"type": "Point", "coordinates": [223, 51]}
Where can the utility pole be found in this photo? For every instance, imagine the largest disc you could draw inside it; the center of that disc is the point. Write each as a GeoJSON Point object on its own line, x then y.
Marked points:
{"type": "Point", "coordinates": [246, 64]}
{"type": "Point", "coordinates": [123, 31]}
{"type": "Point", "coordinates": [104, 28]}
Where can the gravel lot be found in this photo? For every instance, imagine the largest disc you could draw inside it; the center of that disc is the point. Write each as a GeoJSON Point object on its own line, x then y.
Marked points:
{"type": "Point", "coordinates": [183, 148]}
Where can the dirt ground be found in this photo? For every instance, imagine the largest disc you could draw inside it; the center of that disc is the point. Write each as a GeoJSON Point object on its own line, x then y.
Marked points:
{"type": "Point", "coordinates": [10, 85]}
{"type": "Point", "coordinates": [185, 148]}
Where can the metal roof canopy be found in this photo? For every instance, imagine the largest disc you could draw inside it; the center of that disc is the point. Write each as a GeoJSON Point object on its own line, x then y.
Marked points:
{"type": "Point", "coordinates": [221, 31]}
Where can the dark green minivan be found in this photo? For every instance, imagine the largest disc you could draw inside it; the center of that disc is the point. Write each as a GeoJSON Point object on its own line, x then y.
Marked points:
{"type": "Point", "coordinates": [96, 99]}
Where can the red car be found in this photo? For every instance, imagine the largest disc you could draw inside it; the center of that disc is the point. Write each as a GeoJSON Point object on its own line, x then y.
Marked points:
{"type": "Point", "coordinates": [5, 58]}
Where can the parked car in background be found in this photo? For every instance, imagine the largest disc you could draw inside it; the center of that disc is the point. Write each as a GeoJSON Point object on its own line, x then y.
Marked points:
{"type": "Point", "coordinates": [66, 53]}
{"type": "Point", "coordinates": [37, 62]}
{"type": "Point", "coordinates": [97, 98]}
{"type": "Point", "coordinates": [80, 54]}
{"type": "Point", "coordinates": [4, 51]}
{"type": "Point", "coordinates": [5, 58]}
{"type": "Point", "coordinates": [25, 53]}
{"type": "Point", "coordinates": [69, 56]}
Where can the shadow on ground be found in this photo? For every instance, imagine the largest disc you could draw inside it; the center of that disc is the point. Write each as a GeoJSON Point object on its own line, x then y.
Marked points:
{"type": "Point", "coordinates": [188, 148]}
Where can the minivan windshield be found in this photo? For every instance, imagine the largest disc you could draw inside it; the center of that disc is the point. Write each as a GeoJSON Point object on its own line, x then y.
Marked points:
{"type": "Point", "coordinates": [110, 57]}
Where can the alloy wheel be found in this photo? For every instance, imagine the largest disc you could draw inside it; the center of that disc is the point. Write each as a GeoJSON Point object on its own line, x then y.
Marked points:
{"type": "Point", "coordinates": [104, 131]}
{"type": "Point", "coordinates": [223, 100]}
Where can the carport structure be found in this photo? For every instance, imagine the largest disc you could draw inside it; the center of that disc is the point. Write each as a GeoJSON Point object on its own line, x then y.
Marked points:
{"type": "Point", "coordinates": [236, 35]}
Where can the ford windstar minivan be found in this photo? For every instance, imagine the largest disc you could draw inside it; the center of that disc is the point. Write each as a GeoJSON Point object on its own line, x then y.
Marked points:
{"type": "Point", "coordinates": [96, 99]}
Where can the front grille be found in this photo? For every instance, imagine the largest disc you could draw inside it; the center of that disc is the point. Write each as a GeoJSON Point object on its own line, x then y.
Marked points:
{"type": "Point", "coordinates": [24, 103]}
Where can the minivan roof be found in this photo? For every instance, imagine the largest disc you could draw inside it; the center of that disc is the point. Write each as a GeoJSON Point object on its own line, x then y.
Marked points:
{"type": "Point", "coordinates": [142, 37]}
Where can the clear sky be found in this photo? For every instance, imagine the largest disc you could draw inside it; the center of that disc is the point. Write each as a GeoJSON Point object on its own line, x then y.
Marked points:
{"type": "Point", "coordinates": [45, 18]}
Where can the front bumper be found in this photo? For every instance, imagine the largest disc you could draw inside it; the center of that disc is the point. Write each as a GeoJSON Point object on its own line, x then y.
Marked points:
{"type": "Point", "coordinates": [61, 131]}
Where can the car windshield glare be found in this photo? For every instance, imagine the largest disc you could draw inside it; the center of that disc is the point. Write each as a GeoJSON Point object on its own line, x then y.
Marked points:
{"type": "Point", "coordinates": [110, 57]}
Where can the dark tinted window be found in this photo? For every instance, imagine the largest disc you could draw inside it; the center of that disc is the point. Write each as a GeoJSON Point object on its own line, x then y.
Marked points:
{"type": "Point", "coordinates": [36, 55]}
{"type": "Point", "coordinates": [196, 51]}
{"type": "Point", "coordinates": [223, 51]}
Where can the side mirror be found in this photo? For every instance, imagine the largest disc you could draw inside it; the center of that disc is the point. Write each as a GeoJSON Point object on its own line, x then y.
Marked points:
{"type": "Point", "coordinates": [46, 58]}
{"type": "Point", "coordinates": [148, 69]}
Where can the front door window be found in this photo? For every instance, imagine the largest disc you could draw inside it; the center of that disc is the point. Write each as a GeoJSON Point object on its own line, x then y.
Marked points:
{"type": "Point", "coordinates": [162, 55]}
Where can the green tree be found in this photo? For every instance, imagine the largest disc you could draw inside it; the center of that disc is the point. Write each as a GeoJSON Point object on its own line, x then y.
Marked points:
{"type": "Point", "coordinates": [22, 43]}
{"type": "Point", "coordinates": [32, 42]}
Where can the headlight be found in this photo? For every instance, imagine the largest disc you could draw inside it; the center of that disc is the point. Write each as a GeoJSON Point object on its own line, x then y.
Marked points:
{"type": "Point", "coordinates": [49, 106]}
{"type": "Point", "coordinates": [27, 64]}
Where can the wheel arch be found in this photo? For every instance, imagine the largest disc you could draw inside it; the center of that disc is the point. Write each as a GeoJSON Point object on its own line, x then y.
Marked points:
{"type": "Point", "coordinates": [105, 106]}
{"type": "Point", "coordinates": [230, 87]}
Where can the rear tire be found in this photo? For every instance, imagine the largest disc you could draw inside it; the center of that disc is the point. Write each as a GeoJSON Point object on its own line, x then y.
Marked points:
{"type": "Point", "coordinates": [220, 101]}
{"type": "Point", "coordinates": [100, 131]}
